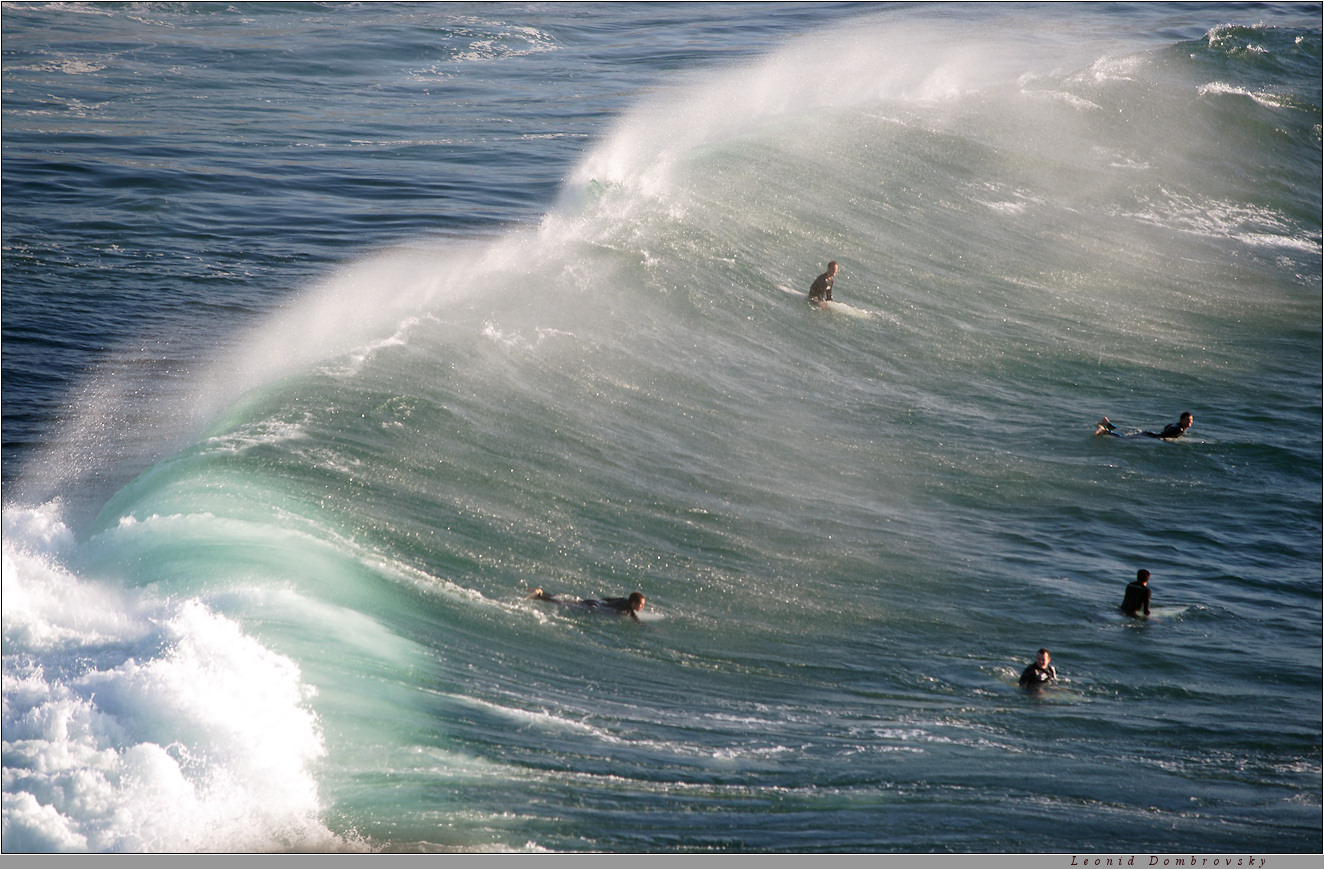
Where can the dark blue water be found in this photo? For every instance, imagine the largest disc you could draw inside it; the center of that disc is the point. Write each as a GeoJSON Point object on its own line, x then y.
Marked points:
{"type": "Point", "coordinates": [331, 330]}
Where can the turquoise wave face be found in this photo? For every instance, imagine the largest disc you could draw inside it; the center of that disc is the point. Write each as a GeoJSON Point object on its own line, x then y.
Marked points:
{"type": "Point", "coordinates": [853, 526]}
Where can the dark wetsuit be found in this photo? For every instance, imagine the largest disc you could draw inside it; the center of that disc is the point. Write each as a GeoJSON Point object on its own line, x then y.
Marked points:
{"type": "Point", "coordinates": [1169, 433]}
{"type": "Point", "coordinates": [619, 604]}
{"type": "Point", "coordinates": [1136, 599]}
{"type": "Point", "coordinates": [1036, 676]}
{"type": "Point", "coordinates": [821, 291]}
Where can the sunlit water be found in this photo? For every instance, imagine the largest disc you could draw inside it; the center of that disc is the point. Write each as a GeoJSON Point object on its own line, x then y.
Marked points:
{"type": "Point", "coordinates": [330, 331]}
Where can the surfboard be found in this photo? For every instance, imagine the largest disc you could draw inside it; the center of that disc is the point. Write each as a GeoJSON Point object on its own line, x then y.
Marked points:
{"type": "Point", "coordinates": [834, 306]}
{"type": "Point", "coordinates": [1156, 614]}
{"type": "Point", "coordinates": [843, 308]}
{"type": "Point", "coordinates": [1168, 611]}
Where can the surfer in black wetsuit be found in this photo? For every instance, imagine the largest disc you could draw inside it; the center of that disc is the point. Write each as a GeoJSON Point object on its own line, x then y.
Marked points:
{"type": "Point", "coordinates": [821, 291]}
{"type": "Point", "coordinates": [626, 606]}
{"type": "Point", "coordinates": [1170, 433]}
{"type": "Point", "coordinates": [1040, 673]}
{"type": "Point", "coordinates": [1137, 595]}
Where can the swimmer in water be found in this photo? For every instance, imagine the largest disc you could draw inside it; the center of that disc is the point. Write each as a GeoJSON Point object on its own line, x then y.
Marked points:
{"type": "Point", "coordinates": [1171, 433]}
{"type": "Point", "coordinates": [625, 606]}
{"type": "Point", "coordinates": [821, 290]}
{"type": "Point", "coordinates": [1040, 673]}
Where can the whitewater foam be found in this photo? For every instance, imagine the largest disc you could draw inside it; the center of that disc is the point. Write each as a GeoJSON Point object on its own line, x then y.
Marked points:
{"type": "Point", "coordinates": [136, 723]}
{"type": "Point", "coordinates": [1264, 98]}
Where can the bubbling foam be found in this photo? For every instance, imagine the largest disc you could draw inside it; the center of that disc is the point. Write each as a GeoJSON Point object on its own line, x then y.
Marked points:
{"type": "Point", "coordinates": [133, 723]}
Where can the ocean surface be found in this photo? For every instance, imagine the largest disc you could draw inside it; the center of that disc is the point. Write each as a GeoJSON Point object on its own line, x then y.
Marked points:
{"type": "Point", "coordinates": [329, 331]}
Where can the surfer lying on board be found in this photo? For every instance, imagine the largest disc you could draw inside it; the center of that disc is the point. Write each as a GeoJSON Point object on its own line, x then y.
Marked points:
{"type": "Point", "coordinates": [821, 291]}
{"type": "Point", "coordinates": [1040, 673]}
{"type": "Point", "coordinates": [1137, 595]}
{"type": "Point", "coordinates": [626, 606]}
{"type": "Point", "coordinates": [1171, 433]}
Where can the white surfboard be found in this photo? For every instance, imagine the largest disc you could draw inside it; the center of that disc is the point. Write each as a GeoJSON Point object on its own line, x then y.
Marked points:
{"type": "Point", "coordinates": [834, 306]}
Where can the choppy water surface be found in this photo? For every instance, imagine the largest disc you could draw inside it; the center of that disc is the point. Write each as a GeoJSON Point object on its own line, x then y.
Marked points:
{"type": "Point", "coordinates": [329, 331]}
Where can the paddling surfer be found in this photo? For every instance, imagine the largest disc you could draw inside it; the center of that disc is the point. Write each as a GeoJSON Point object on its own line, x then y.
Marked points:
{"type": "Point", "coordinates": [625, 606]}
{"type": "Point", "coordinates": [1170, 433]}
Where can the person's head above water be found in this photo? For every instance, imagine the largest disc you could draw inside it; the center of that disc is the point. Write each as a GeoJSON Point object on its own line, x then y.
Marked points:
{"type": "Point", "coordinates": [832, 267]}
{"type": "Point", "coordinates": [1186, 420]}
{"type": "Point", "coordinates": [1142, 576]}
{"type": "Point", "coordinates": [1042, 658]}
{"type": "Point", "coordinates": [636, 602]}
